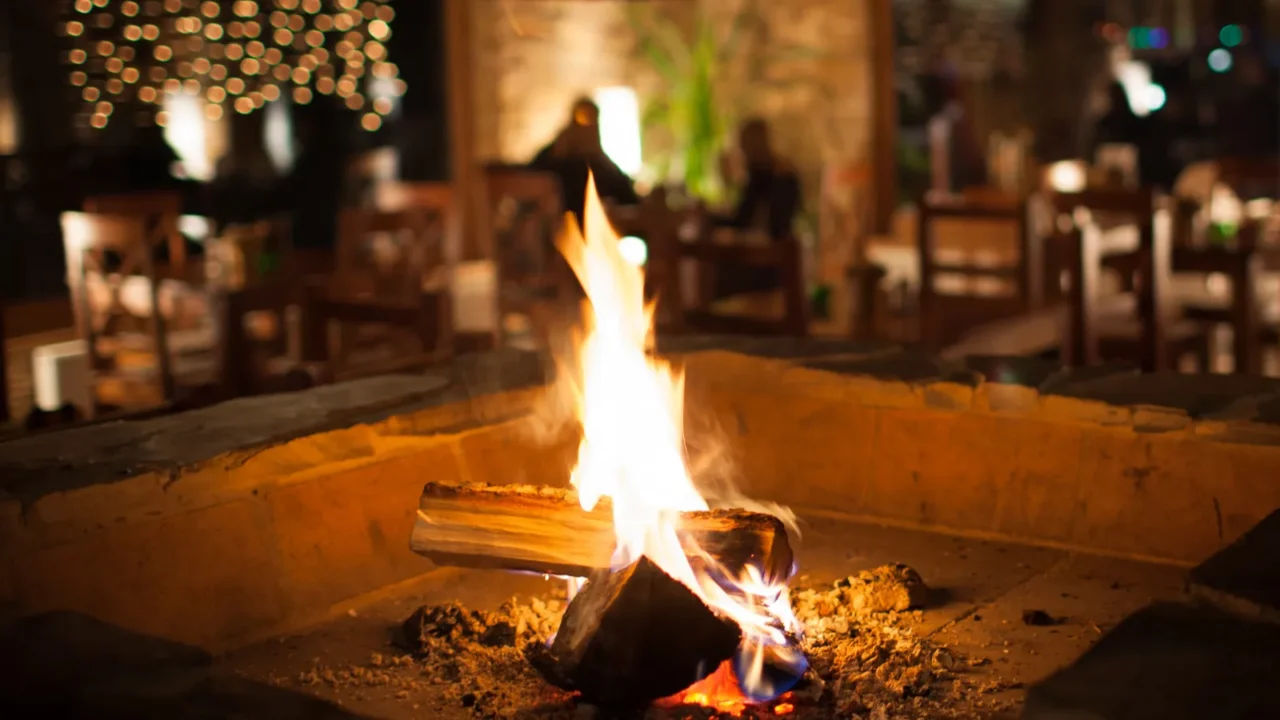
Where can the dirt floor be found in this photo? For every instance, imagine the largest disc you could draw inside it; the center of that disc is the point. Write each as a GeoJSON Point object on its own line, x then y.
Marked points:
{"type": "Point", "coordinates": [1014, 613]}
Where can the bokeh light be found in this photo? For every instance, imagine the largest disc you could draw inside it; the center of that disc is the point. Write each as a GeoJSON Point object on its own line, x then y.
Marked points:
{"type": "Point", "coordinates": [236, 55]}
{"type": "Point", "coordinates": [1220, 60]}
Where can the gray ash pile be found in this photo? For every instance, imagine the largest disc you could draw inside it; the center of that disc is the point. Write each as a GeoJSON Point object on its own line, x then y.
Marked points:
{"type": "Point", "coordinates": [865, 660]}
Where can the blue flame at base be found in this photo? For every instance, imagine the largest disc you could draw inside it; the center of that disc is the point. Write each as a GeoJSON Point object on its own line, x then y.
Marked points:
{"type": "Point", "coordinates": [780, 670]}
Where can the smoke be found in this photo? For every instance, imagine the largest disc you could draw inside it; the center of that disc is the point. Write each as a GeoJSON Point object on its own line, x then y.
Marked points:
{"type": "Point", "coordinates": [716, 471]}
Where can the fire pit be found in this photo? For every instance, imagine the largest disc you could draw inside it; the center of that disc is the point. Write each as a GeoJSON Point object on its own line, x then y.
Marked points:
{"type": "Point", "coordinates": [286, 518]}
{"type": "Point", "coordinates": [677, 597]}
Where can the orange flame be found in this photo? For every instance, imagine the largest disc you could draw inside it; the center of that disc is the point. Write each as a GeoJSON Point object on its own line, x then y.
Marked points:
{"type": "Point", "coordinates": [631, 406]}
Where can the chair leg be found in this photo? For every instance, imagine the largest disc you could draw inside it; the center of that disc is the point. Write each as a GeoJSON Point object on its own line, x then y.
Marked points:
{"type": "Point", "coordinates": [1205, 352]}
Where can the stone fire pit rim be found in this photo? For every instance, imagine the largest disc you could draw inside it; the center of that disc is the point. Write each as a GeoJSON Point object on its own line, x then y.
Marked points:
{"type": "Point", "coordinates": [1222, 408]}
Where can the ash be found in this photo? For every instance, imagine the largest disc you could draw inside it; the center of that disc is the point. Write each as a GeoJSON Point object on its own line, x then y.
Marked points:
{"type": "Point", "coordinates": [866, 663]}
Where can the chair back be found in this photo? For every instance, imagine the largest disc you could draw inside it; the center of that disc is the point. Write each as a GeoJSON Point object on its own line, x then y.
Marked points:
{"type": "Point", "coordinates": [1080, 219]}
{"type": "Point", "coordinates": [259, 343]}
{"type": "Point", "coordinates": [164, 205]}
{"type": "Point", "coordinates": [435, 197]}
{"type": "Point", "coordinates": [103, 253]}
{"type": "Point", "coordinates": [251, 254]}
{"type": "Point", "coordinates": [987, 289]}
{"type": "Point", "coordinates": [689, 242]}
{"type": "Point", "coordinates": [387, 254]}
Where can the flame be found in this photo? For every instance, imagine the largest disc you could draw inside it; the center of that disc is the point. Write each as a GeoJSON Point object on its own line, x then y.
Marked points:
{"type": "Point", "coordinates": [631, 406]}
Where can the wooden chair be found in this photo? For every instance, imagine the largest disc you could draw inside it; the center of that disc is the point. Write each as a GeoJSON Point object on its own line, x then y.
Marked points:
{"type": "Point", "coordinates": [1254, 320]}
{"type": "Point", "coordinates": [535, 288]}
{"type": "Point", "coordinates": [1012, 288]}
{"type": "Point", "coordinates": [1243, 261]}
{"type": "Point", "coordinates": [385, 320]}
{"type": "Point", "coordinates": [165, 205]}
{"type": "Point", "coordinates": [1145, 325]}
{"type": "Point", "coordinates": [256, 288]}
{"type": "Point", "coordinates": [113, 329]}
{"type": "Point", "coordinates": [251, 361]}
{"type": "Point", "coordinates": [697, 309]}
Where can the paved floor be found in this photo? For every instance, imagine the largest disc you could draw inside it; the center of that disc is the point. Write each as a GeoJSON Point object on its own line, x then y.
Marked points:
{"type": "Point", "coordinates": [984, 589]}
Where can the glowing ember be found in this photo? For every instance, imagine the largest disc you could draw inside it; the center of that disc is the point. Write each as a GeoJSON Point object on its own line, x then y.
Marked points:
{"type": "Point", "coordinates": [719, 690]}
{"type": "Point", "coordinates": [631, 409]}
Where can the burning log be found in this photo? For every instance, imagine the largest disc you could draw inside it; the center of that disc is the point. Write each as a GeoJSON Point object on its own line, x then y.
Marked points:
{"type": "Point", "coordinates": [633, 636]}
{"type": "Point", "coordinates": [545, 530]}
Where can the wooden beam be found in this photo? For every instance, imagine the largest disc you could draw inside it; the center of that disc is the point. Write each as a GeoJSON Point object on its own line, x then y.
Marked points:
{"type": "Point", "coordinates": [545, 530]}
{"type": "Point", "coordinates": [884, 110]}
{"type": "Point", "coordinates": [464, 175]}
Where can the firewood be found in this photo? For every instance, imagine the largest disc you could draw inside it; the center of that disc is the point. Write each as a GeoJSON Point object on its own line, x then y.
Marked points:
{"type": "Point", "coordinates": [633, 636]}
{"type": "Point", "coordinates": [545, 530]}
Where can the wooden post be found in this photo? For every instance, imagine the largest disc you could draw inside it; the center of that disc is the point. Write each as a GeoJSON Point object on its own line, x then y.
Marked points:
{"type": "Point", "coordinates": [461, 93]}
{"type": "Point", "coordinates": [1245, 321]}
{"type": "Point", "coordinates": [884, 108]}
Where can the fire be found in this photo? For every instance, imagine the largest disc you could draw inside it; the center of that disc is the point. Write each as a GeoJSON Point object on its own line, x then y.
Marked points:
{"type": "Point", "coordinates": [631, 406]}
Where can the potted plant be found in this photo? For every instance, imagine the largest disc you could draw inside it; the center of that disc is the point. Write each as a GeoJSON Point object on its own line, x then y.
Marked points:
{"type": "Point", "coordinates": [689, 111]}
{"type": "Point", "coordinates": [694, 111]}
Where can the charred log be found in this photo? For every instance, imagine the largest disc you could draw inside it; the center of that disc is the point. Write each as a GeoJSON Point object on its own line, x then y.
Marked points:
{"type": "Point", "coordinates": [633, 636]}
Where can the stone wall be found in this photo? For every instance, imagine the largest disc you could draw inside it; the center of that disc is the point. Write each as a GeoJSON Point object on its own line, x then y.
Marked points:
{"type": "Point", "coordinates": [532, 58]}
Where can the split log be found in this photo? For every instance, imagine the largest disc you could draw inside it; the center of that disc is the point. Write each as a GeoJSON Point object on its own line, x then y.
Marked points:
{"type": "Point", "coordinates": [545, 530]}
{"type": "Point", "coordinates": [633, 636]}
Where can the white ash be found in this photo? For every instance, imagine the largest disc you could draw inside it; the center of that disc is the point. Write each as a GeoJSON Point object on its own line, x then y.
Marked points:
{"type": "Point", "coordinates": [865, 660]}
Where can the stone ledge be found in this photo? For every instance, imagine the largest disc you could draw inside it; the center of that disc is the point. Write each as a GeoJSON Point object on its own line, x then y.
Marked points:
{"type": "Point", "coordinates": [240, 534]}
{"type": "Point", "coordinates": [1227, 408]}
{"type": "Point", "coordinates": [170, 447]}
{"type": "Point", "coordinates": [1144, 480]}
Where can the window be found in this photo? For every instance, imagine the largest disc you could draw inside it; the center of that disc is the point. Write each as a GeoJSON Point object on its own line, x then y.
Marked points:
{"type": "Point", "coordinates": [620, 127]}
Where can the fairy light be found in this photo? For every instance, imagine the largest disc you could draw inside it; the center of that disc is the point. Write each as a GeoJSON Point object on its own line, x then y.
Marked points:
{"type": "Point", "coordinates": [231, 56]}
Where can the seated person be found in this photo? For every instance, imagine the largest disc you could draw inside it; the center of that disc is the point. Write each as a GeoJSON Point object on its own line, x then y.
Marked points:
{"type": "Point", "coordinates": [769, 203]}
{"type": "Point", "coordinates": [577, 149]}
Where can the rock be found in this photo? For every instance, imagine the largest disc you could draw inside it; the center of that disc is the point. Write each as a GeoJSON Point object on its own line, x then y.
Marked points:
{"type": "Point", "coordinates": [1039, 618]}
{"type": "Point", "coordinates": [889, 588]}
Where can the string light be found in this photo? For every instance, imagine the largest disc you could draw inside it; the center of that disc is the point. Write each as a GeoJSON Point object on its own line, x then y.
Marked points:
{"type": "Point", "coordinates": [238, 55]}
